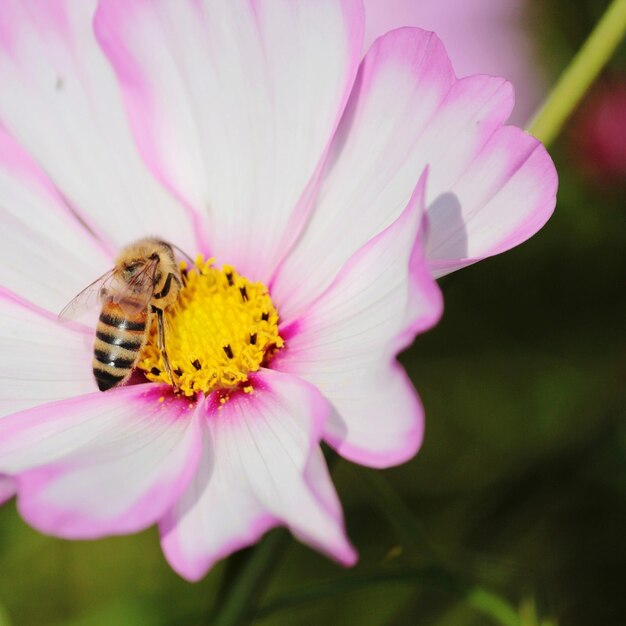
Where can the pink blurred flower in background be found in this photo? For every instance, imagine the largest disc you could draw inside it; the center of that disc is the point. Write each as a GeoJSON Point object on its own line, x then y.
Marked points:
{"type": "Point", "coordinates": [253, 133]}
{"type": "Point", "coordinates": [481, 36]}
{"type": "Point", "coordinates": [597, 134]}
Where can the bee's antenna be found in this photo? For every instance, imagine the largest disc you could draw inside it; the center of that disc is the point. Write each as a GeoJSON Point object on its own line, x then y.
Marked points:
{"type": "Point", "coordinates": [183, 253]}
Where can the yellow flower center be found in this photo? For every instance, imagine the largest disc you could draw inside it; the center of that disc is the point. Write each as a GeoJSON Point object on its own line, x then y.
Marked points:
{"type": "Point", "coordinates": [221, 328]}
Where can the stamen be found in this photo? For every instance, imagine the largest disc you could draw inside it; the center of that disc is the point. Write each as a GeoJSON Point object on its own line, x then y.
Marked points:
{"type": "Point", "coordinates": [214, 335]}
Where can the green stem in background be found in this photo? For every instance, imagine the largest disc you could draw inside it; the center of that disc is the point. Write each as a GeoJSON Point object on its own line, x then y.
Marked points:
{"type": "Point", "coordinates": [397, 514]}
{"type": "Point", "coordinates": [251, 581]}
{"type": "Point", "coordinates": [580, 73]}
{"type": "Point", "coordinates": [409, 531]}
{"type": "Point", "coordinates": [480, 599]}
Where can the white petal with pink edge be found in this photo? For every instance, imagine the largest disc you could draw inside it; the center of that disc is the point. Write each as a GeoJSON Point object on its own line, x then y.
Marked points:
{"type": "Point", "coordinates": [259, 454]}
{"type": "Point", "coordinates": [46, 256]}
{"type": "Point", "coordinates": [504, 197]}
{"type": "Point", "coordinates": [7, 488]}
{"type": "Point", "coordinates": [61, 101]}
{"type": "Point", "coordinates": [346, 342]}
{"type": "Point", "coordinates": [233, 105]}
{"type": "Point", "coordinates": [43, 360]}
{"type": "Point", "coordinates": [100, 464]}
{"type": "Point", "coordinates": [407, 110]}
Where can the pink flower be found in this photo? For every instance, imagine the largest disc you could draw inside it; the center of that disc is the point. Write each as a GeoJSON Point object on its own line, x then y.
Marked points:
{"type": "Point", "coordinates": [481, 36]}
{"type": "Point", "coordinates": [263, 142]}
{"type": "Point", "coordinates": [597, 136]}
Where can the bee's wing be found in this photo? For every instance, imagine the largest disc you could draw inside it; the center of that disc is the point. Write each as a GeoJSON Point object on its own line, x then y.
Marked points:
{"type": "Point", "coordinates": [89, 297]}
{"type": "Point", "coordinates": [134, 296]}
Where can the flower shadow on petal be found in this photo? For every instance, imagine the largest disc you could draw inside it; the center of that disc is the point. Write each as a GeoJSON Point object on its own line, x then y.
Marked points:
{"type": "Point", "coordinates": [448, 208]}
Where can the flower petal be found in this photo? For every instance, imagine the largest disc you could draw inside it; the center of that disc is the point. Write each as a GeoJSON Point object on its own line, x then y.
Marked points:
{"type": "Point", "coordinates": [506, 194]}
{"type": "Point", "coordinates": [60, 100]}
{"type": "Point", "coordinates": [346, 342]}
{"type": "Point", "coordinates": [42, 359]}
{"type": "Point", "coordinates": [233, 105]}
{"type": "Point", "coordinates": [408, 110]}
{"type": "Point", "coordinates": [480, 36]}
{"type": "Point", "coordinates": [7, 488]}
{"type": "Point", "coordinates": [259, 452]}
{"type": "Point", "coordinates": [46, 257]}
{"type": "Point", "coordinates": [100, 464]}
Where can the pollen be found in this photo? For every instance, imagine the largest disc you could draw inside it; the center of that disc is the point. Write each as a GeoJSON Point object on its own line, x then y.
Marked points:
{"type": "Point", "coordinates": [222, 328]}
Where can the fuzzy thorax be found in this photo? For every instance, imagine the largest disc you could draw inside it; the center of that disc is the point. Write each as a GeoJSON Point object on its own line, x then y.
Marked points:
{"type": "Point", "coordinates": [221, 328]}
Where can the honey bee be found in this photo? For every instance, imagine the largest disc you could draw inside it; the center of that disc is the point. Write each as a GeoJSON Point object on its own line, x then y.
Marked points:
{"type": "Point", "coordinates": [144, 282]}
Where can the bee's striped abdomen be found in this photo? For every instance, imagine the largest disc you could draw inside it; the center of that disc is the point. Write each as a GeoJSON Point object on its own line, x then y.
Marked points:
{"type": "Point", "coordinates": [119, 340]}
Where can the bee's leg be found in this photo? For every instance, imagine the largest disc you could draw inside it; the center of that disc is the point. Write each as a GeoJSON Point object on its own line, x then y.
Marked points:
{"type": "Point", "coordinates": [161, 342]}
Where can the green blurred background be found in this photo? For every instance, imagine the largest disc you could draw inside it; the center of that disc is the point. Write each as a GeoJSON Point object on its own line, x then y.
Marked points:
{"type": "Point", "coordinates": [520, 486]}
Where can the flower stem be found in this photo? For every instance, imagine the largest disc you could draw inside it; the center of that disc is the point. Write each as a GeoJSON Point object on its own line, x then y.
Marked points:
{"type": "Point", "coordinates": [581, 72]}
{"type": "Point", "coordinates": [251, 580]}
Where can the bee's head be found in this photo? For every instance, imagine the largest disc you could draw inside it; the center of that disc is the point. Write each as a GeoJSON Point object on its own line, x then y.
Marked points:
{"type": "Point", "coordinates": [135, 266]}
